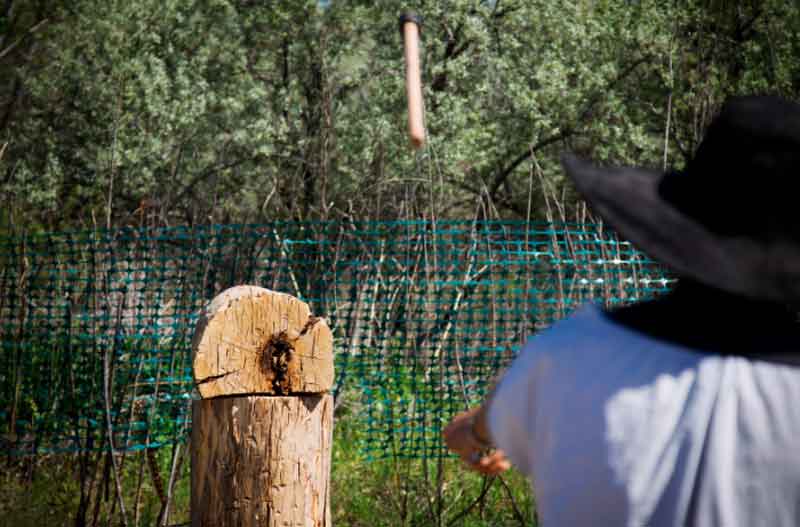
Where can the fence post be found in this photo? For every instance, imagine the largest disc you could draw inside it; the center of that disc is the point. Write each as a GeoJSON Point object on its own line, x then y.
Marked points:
{"type": "Point", "coordinates": [262, 431]}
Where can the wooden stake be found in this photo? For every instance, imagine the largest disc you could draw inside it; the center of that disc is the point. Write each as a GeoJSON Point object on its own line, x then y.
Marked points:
{"type": "Point", "coordinates": [261, 435]}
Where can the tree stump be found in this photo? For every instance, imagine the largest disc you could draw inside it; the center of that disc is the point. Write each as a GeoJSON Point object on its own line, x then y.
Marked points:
{"type": "Point", "coordinates": [262, 432]}
{"type": "Point", "coordinates": [252, 340]}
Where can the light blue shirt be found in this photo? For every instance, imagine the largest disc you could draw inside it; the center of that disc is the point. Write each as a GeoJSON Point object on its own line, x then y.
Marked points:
{"type": "Point", "coordinates": [616, 428]}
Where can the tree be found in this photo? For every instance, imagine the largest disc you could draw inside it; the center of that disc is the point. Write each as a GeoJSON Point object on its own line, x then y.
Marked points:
{"type": "Point", "coordinates": [189, 111]}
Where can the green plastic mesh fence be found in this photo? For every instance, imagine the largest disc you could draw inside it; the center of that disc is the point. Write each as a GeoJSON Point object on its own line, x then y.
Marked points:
{"type": "Point", "coordinates": [96, 326]}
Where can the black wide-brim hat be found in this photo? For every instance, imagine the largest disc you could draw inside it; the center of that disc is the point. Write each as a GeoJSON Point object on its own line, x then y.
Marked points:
{"type": "Point", "coordinates": [731, 219]}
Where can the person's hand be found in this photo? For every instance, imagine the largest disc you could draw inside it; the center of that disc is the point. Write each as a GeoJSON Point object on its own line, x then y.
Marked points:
{"type": "Point", "coordinates": [460, 438]}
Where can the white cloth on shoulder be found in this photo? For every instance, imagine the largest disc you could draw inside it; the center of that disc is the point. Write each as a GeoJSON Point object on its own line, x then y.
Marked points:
{"type": "Point", "coordinates": [617, 428]}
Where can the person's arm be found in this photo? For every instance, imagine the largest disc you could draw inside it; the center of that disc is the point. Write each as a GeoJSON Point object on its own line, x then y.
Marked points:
{"type": "Point", "coordinates": [468, 436]}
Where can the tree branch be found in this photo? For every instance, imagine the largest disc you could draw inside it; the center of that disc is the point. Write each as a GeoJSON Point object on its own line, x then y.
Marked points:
{"type": "Point", "coordinates": [208, 173]}
{"type": "Point", "coordinates": [9, 109]}
{"type": "Point", "coordinates": [744, 30]}
{"type": "Point", "coordinates": [506, 172]}
{"type": "Point", "coordinates": [28, 33]}
{"type": "Point", "coordinates": [454, 48]}
{"type": "Point", "coordinates": [585, 114]}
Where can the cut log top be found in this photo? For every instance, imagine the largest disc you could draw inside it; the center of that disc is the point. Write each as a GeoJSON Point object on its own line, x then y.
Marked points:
{"type": "Point", "coordinates": [251, 340]}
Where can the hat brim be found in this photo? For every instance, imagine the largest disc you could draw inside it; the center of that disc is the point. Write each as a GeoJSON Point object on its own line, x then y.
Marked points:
{"type": "Point", "coordinates": [628, 199]}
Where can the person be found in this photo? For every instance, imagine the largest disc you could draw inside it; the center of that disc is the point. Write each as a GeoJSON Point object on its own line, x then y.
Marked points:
{"type": "Point", "coordinates": [682, 410]}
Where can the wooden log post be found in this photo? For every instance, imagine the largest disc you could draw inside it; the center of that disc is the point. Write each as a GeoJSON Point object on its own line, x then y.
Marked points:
{"type": "Point", "coordinates": [262, 432]}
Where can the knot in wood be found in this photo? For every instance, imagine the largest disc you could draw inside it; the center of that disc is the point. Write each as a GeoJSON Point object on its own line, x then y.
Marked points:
{"type": "Point", "coordinates": [276, 355]}
{"type": "Point", "coordinates": [274, 360]}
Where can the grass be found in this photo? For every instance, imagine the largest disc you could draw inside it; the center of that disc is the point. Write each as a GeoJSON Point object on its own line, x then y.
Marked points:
{"type": "Point", "coordinates": [408, 492]}
{"type": "Point", "coordinates": [391, 492]}
{"type": "Point", "coordinates": [46, 491]}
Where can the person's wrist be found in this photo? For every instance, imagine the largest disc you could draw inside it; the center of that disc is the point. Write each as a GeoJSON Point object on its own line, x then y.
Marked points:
{"type": "Point", "coordinates": [475, 435]}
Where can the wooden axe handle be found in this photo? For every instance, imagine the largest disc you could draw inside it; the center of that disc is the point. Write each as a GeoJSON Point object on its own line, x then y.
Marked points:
{"type": "Point", "coordinates": [409, 25]}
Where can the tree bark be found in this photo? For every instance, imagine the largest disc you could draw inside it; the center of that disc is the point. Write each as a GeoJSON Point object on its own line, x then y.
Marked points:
{"type": "Point", "coordinates": [261, 461]}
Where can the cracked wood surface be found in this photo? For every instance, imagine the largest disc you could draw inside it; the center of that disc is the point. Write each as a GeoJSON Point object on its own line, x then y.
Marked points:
{"type": "Point", "coordinates": [261, 461]}
{"type": "Point", "coordinates": [251, 340]}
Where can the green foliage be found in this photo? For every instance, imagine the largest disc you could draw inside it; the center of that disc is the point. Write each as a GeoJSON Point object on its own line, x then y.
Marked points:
{"type": "Point", "coordinates": [144, 99]}
{"type": "Point", "coordinates": [232, 111]}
